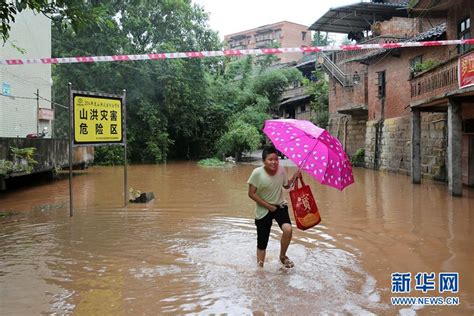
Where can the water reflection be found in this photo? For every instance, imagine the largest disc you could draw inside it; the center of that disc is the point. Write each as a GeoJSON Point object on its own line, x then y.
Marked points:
{"type": "Point", "coordinates": [192, 249]}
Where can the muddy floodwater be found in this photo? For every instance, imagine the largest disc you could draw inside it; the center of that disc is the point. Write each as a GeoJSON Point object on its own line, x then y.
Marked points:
{"type": "Point", "coordinates": [192, 250]}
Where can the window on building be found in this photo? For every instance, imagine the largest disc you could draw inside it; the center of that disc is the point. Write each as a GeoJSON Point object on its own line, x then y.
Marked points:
{"type": "Point", "coordinates": [464, 32]}
{"type": "Point", "coordinates": [415, 61]}
{"type": "Point", "coordinates": [303, 108]}
{"type": "Point", "coordinates": [303, 35]}
{"type": "Point", "coordinates": [381, 84]}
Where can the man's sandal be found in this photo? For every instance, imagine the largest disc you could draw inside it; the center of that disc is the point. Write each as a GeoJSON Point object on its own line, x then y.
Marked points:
{"type": "Point", "coordinates": [286, 262]}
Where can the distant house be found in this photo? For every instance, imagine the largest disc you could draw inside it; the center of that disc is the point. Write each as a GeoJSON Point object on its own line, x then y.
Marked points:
{"type": "Point", "coordinates": [284, 33]}
{"type": "Point", "coordinates": [394, 102]}
{"type": "Point", "coordinates": [295, 101]}
{"type": "Point", "coordinates": [20, 111]}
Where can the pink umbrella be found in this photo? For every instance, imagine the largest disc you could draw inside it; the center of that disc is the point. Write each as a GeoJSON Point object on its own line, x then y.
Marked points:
{"type": "Point", "coordinates": [312, 149]}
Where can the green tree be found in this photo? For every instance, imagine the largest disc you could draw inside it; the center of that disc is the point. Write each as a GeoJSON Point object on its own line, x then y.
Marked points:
{"type": "Point", "coordinates": [272, 84]}
{"type": "Point", "coordinates": [321, 39]}
{"type": "Point", "coordinates": [320, 99]}
{"type": "Point", "coordinates": [251, 95]}
{"type": "Point", "coordinates": [66, 12]}
{"type": "Point", "coordinates": [166, 100]}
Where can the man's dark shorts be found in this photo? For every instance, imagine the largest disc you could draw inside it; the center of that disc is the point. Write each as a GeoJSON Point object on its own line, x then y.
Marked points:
{"type": "Point", "coordinates": [264, 225]}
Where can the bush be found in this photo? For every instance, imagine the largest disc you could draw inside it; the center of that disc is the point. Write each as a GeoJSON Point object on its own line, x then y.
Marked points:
{"type": "Point", "coordinates": [108, 155]}
{"type": "Point", "coordinates": [6, 167]}
{"type": "Point", "coordinates": [241, 137]}
{"type": "Point", "coordinates": [211, 162]}
{"type": "Point", "coordinates": [357, 160]}
{"type": "Point", "coordinates": [22, 161]}
{"type": "Point", "coordinates": [426, 65]}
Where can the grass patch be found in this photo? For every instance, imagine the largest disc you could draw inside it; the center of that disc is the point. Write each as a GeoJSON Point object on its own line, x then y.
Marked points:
{"type": "Point", "coordinates": [211, 162]}
{"type": "Point", "coordinates": [6, 214]}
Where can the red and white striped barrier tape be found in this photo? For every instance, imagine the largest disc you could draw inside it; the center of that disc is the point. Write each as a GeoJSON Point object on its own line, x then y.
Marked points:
{"type": "Point", "coordinates": [231, 52]}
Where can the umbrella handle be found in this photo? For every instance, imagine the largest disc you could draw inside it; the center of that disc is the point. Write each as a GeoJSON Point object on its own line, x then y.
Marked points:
{"type": "Point", "coordinates": [295, 185]}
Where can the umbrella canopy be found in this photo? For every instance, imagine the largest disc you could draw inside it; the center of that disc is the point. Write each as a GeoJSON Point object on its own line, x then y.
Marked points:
{"type": "Point", "coordinates": [312, 149]}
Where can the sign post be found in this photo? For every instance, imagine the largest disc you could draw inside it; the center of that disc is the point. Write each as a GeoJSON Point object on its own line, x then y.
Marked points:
{"type": "Point", "coordinates": [97, 119]}
{"type": "Point", "coordinates": [70, 149]}
{"type": "Point", "coordinates": [125, 175]}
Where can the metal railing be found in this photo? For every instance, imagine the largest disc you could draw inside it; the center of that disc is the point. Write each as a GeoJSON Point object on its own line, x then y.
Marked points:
{"type": "Point", "coordinates": [333, 70]}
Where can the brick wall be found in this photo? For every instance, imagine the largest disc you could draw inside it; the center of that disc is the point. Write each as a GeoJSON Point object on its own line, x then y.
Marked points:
{"type": "Point", "coordinates": [397, 75]}
{"type": "Point", "coordinates": [394, 146]}
{"type": "Point", "coordinates": [290, 36]}
{"type": "Point", "coordinates": [460, 10]}
{"type": "Point", "coordinates": [400, 26]}
{"type": "Point", "coordinates": [340, 97]}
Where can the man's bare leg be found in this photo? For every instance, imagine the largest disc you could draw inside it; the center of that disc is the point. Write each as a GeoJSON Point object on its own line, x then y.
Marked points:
{"type": "Point", "coordinates": [284, 243]}
{"type": "Point", "coordinates": [261, 257]}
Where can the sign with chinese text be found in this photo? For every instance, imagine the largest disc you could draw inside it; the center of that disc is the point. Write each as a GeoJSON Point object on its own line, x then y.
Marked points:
{"type": "Point", "coordinates": [97, 119]}
{"type": "Point", "coordinates": [466, 70]}
{"type": "Point", "coordinates": [46, 114]}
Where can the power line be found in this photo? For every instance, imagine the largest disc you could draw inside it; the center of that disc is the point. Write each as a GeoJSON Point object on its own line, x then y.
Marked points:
{"type": "Point", "coordinates": [52, 102]}
{"type": "Point", "coordinates": [31, 98]}
{"type": "Point", "coordinates": [17, 97]}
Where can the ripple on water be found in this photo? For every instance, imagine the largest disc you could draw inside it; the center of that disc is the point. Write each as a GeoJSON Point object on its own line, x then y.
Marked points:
{"type": "Point", "coordinates": [325, 279]}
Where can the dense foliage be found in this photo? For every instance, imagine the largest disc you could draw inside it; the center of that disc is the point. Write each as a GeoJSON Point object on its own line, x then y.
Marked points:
{"type": "Point", "coordinates": [320, 99]}
{"type": "Point", "coordinates": [176, 109]}
{"type": "Point", "coordinates": [74, 13]}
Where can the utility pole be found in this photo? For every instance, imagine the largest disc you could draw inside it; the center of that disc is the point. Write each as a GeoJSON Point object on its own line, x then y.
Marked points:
{"type": "Point", "coordinates": [37, 110]}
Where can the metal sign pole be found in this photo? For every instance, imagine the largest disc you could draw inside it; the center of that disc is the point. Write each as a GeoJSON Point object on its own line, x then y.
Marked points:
{"type": "Point", "coordinates": [124, 131]}
{"type": "Point", "coordinates": [71, 101]}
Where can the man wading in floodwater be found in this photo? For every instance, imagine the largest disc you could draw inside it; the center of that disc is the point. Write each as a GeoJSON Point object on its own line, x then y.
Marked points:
{"type": "Point", "coordinates": [265, 188]}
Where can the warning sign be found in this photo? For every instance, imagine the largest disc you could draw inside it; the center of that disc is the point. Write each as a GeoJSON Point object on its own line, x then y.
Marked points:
{"type": "Point", "coordinates": [97, 119]}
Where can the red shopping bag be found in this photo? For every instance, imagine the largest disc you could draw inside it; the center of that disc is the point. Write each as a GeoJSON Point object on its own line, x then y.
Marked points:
{"type": "Point", "coordinates": [304, 206]}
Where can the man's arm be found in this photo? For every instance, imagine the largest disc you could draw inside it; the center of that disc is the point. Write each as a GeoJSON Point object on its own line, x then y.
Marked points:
{"type": "Point", "coordinates": [293, 179]}
{"type": "Point", "coordinates": [253, 195]}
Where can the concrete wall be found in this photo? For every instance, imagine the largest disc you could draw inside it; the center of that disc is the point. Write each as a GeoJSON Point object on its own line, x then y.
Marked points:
{"type": "Point", "coordinates": [50, 153]}
{"type": "Point", "coordinates": [18, 117]}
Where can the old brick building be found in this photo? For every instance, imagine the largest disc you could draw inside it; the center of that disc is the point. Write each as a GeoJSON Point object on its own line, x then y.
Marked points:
{"type": "Point", "coordinates": [284, 34]}
{"type": "Point", "coordinates": [375, 95]}
{"type": "Point", "coordinates": [295, 101]}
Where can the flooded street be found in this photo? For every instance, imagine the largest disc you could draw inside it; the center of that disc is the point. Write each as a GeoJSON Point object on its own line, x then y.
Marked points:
{"type": "Point", "coordinates": [192, 250]}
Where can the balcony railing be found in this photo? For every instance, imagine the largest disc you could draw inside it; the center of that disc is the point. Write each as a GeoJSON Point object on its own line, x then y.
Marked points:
{"type": "Point", "coordinates": [294, 92]}
{"type": "Point", "coordinates": [438, 80]}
